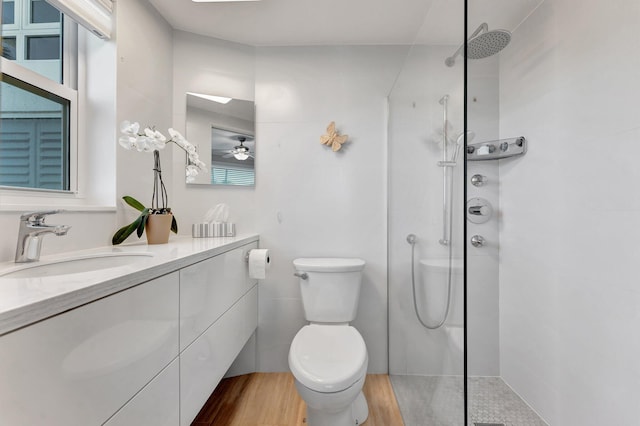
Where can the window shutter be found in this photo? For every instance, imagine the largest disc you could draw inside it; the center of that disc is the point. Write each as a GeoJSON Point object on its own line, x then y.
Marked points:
{"type": "Point", "coordinates": [15, 154]}
{"type": "Point", "coordinates": [95, 15]}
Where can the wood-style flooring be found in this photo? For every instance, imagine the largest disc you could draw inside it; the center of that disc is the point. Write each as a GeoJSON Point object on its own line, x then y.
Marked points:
{"type": "Point", "coordinates": [271, 399]}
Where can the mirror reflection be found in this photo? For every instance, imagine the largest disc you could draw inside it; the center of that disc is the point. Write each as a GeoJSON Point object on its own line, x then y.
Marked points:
{"type": "Point", "coordinates": [225, 128]}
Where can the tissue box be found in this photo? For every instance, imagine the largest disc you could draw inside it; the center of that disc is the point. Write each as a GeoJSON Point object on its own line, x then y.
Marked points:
{"type": "Point", "coordinates": [216, 229]}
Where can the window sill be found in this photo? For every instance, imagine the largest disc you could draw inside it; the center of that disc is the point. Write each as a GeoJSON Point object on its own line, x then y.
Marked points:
{"type": "Point", "coordinates": [7, 208]}
{"type": "Point", "coordinates": [15, 200]}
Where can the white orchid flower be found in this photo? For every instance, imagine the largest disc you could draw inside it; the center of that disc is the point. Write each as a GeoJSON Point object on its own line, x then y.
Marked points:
{"type": "Point", "coordinates": [199, 164]}
{"type": "Point", "coordinates": [156, 139]}
{"type": "Point", "coordinates": [191, 172]}
{"type": "Point", "coordinates": [150, 140]}
{"type": "Point", "coordinates": [154, 134]}
{"type": "Point", "coordinates": [145, 144]}
{"type": "Point", "coordinates": [193, 157]}
{"type": "Point", "coordinates": [127, 142]}
{"type": "Point", "coordinates": [129, 128]}
{"type": "Point", "coordinates": [178, 138]}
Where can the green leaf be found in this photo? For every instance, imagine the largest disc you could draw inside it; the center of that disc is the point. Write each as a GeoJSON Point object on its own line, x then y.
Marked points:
{"type": "Point", "coordinates": [133, 203]}
{"type": "Point", "coordinates": [124, 232]}
{"type": "Point", "coordinates": [174, 225]}
{"type": "Point", "coordinates": [143, 222]}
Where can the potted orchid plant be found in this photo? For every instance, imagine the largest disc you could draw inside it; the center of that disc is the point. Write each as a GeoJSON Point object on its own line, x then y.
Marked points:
{"type": "Point", "coordinates": [156, 220]}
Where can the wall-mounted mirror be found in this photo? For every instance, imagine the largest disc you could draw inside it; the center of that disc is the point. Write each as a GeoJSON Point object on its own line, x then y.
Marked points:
{"type": "Point", "coordinates": [223, 129]}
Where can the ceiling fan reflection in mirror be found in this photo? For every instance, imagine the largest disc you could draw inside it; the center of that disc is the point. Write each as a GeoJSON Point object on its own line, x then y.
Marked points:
{"type": "Point", "coordinates": [240, 152]}
{"type": "Point", "coordinates": [232, 147]}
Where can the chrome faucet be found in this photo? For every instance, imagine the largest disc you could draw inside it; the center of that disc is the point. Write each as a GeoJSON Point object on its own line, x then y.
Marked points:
{"type": "Point", "coordinates": [32, 230]}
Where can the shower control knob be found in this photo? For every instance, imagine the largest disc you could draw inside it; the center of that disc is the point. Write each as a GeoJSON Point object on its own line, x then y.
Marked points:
{"type": "Point", "coordinates": [479, 210]}
{"type": "Point", "coordinates": [477, 241]}
{"type": "Point", "coordinates": [478, 180]}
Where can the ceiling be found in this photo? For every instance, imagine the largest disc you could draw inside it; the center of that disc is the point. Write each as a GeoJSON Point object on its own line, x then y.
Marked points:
{"type": "Point", "coordinates": [341, 22]}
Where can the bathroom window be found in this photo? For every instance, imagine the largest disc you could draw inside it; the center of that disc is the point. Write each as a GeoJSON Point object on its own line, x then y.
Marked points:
{"type": "Point", "coordinates": [38, 98]}
{"type": "Point", "coordinates": [42, 12]}
{"type": "Point", "coordinates": [9, 48]}
{"type": "Point", "coordinates": [8, 12]}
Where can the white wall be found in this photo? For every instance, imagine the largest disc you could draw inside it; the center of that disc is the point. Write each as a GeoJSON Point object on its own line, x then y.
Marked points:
{"type": "Point", "coordinates": [314, 202]}
{"type": "Point", "coordinates": [569, 297]}
{"type": "Point", "coordinates": [144, 94]}
{"type": "Point", "coordinates": [215, 67]}
{"type": "Point", "coordinates": [307, 200]}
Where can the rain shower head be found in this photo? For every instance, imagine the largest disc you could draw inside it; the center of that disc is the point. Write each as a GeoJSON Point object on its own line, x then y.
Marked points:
{"type": "Point", "coordinates": [482, 45]}
{"type": "Point", "coordinates": [488, 44]}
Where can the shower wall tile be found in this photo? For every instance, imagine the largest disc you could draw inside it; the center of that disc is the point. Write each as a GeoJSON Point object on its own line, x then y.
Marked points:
{"type": "Point", "coordinates": [568, 294]}
{"type": "Point", "coordinates": [483, 316]}
{"type": "Point", "coordinates": [415, 206]}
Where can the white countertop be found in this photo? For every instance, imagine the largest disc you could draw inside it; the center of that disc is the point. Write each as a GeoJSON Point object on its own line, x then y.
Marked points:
{"type": "Point", "coordinates": [24, 301]}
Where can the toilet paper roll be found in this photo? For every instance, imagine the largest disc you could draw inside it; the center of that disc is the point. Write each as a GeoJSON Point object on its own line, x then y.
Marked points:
{"type": "Point", "coordinates": [259, 262]}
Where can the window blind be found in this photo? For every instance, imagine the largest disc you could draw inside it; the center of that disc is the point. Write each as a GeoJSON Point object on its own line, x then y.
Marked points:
{"type": "Point", "coordinates": [95, 15]}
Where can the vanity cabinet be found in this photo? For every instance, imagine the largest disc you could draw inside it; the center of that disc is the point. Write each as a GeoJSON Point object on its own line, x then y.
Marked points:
{"type": "Point", "coordinates": [209, 288]}
{"type": "Point", "coordinates": [80, 367]}
{"type": "Point", "coordinates": [148, 355]}
{"type": "Point", "coordinates": [218, 314]}
{"type": "Point", "coordinates": [204, 362]}
{"type": "Point", "coordinates": [157, 404]}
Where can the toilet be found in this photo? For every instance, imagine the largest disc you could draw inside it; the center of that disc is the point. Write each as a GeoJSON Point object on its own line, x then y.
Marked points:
{"type": "Point", "coordinates": [328, 357]}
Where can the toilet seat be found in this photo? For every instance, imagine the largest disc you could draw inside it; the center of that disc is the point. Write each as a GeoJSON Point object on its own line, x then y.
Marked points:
{"type": "Point", "coordinates": [328, 358]}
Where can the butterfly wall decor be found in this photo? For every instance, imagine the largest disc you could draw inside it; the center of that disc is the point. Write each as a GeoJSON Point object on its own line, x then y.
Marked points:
{"type": "Point", "coordinates": [332, 138]}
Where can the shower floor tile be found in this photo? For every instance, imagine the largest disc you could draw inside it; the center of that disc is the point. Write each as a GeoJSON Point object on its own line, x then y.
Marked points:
{"type": "Point", "coordinates": [438, 401]}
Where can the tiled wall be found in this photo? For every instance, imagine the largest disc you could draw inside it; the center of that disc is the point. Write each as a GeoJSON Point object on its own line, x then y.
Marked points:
{"type": "Point", "coordinates": [569, 293]}
{"type": "Point", "coordinates": [313, 202]}
{"type": "Point", "coordinates": [144, 80]}
{"type": "Point", "coordinates": [308, 201]}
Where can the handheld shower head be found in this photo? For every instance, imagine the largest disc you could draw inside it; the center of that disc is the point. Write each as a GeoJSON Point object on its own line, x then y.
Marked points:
{"type": "Point", "coordinates": [482, 44]}
{"type": "Point", "coordinates": [470, 134]}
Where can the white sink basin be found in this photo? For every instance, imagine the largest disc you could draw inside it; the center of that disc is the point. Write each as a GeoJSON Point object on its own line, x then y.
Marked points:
{"type": "Point", "coordinates": [74, 265]}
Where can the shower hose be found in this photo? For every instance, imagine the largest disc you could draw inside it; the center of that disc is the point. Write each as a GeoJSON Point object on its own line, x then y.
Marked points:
{"type": "Point", "coordinates": [411, 239]}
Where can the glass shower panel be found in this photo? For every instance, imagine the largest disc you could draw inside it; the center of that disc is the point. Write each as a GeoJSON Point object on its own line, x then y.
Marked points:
{"type": "Point", "coordinates": [426, 168]}
{"type": "Point", "coordinates": [493, 33]}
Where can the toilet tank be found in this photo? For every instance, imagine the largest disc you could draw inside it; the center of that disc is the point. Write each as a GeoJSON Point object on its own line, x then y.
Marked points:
{"type": "Point", "coordinates": [331, 289]}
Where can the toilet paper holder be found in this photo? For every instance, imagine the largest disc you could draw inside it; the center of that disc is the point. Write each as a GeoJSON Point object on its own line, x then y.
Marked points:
{"type": "Point", "coordinates": [246, 256]}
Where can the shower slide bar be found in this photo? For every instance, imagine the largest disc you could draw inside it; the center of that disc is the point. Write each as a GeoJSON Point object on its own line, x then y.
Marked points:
{"type": "Point", "coordinates": [447, 175]}
{"type": "Point", "coordinates": [497, 149]}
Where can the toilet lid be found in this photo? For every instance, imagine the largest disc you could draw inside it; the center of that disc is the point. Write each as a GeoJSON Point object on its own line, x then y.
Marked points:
{"type": "Point", "coordinates": [328, 358]}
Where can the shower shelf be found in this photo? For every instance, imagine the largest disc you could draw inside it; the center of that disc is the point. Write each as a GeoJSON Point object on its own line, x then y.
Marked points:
{"type": "Point", "coordinates": [497, 150]}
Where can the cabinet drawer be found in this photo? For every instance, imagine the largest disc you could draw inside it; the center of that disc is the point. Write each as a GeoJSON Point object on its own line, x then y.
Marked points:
{"type": "Point", "coordinates": [158, 404]}
{"type": "Point", "coordinates": [209, 288]}
{"type": "Point", "coordinates": [80, 367]}
{"type": "Point", "coordinates": [203, 364]}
